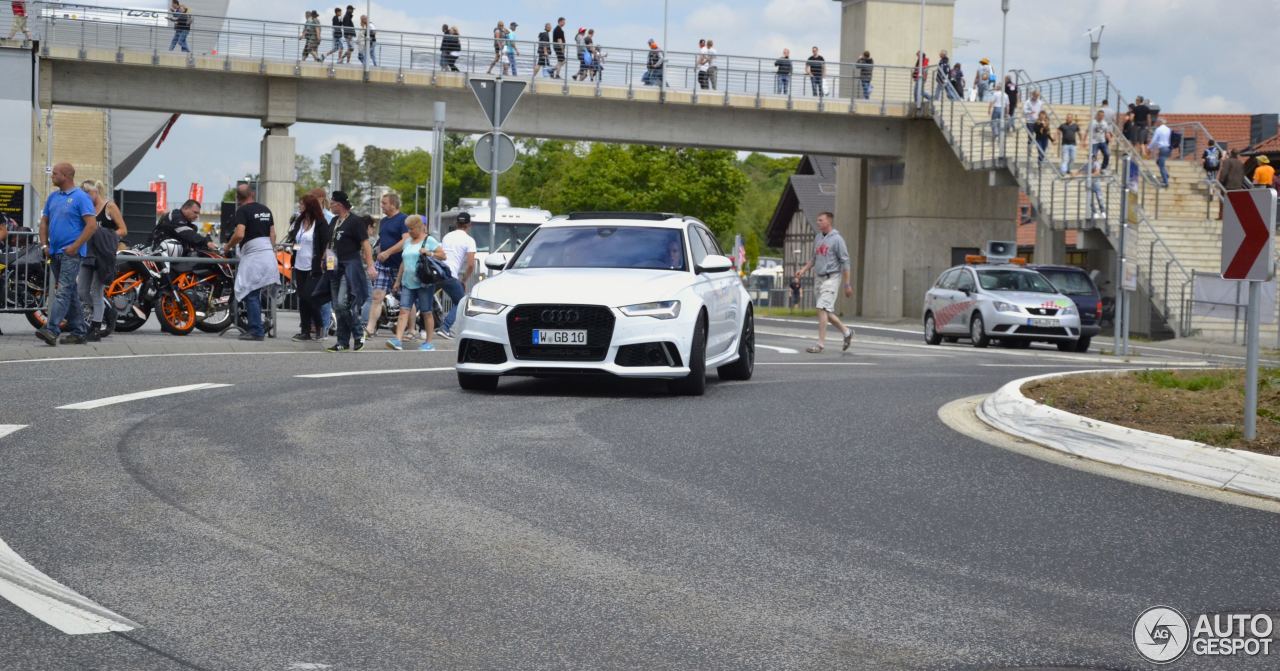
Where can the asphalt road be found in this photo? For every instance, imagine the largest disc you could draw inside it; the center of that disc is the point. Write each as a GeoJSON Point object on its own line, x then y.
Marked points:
{"type": "Point", "coordinates": [819, 516]}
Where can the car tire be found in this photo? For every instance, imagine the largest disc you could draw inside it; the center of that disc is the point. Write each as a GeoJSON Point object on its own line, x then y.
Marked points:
{"type": "Point", "coordinates": [746, 363]}
{"type": "Point", "coordinates": [931, 336]}
{"type": "Point", "coordinates": [978, 331]}
{"type": "Point", "coordinates": [695, 383]}
{"type": "Point", "coordinates": [474, 382]}
{"type": "Point", "coordinates": [1082, 345]}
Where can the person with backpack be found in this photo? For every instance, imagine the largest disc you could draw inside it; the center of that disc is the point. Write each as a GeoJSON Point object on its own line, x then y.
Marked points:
{"type": "Point", "coordinates": [1211, 159]}
{"type": "Point", "coordinates": [984, 79]}
{"type": "Point", "coordinates": [422, 258]}
{"type": "Point", "coordinates": [958, 81]}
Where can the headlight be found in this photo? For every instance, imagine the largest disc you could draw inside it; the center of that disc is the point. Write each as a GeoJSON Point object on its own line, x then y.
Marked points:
{"type": "Point", "coordinates": [658, 310]}
{"type": "Point", "coordinates": [475, 307]}
{"type": "Point", "coordinates": [1001, 306]}
{"type": "Point", "coordinates": [1070, 309]}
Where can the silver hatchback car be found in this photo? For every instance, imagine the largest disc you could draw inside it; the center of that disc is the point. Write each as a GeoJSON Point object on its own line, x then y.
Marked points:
{"type": "Point", "coordinates": [1005, 302]}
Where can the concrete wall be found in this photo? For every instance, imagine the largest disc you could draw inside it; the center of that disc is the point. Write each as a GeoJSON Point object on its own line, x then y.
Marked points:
{"type": "Point", "coordinates": [79, 138]}
{"type": "Point", "coordinates": [890, 30]}
{"type": "Point", "coordinates": [912, 226]}
{"type": "Point", "coordinates": [395, 105]}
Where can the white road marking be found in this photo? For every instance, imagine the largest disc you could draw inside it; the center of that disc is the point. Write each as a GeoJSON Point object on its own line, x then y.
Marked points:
{"type": "Point", "coordinates": [1035, 365]}
{"type": "Point", "coordinates": [149, 356]}
{"type": "Point", "coordinates": [779, 350]}
{"type": "Point", "coordinates": [51, 602]}
{"type": "Point", "coordinates": [140, 395]}
{"type": "Point", "coordinates": [6, 429]}
{"type": "Point", "coordinates": [308, 666]}
{"type": "Point", "coordinates": [854, 325]}
{"type": "Point", "coordinates": [814, 363]}
{"type": "Point", "coordinates": [358, 373]}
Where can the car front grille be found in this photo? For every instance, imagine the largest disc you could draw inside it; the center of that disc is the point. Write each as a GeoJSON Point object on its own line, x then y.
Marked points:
{"type": "Point", "coordinates": [1043, 331]}
{"type": "Point", "coordinates": [1043, 312]}
{"type": "Point", "coordinates": [596, 320]}
{"type": "Point", "coordinates": [480, 351]}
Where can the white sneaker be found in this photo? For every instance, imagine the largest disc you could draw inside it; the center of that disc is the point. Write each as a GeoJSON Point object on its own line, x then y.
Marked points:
{"type": "Point", "coordinates": [422, 335]}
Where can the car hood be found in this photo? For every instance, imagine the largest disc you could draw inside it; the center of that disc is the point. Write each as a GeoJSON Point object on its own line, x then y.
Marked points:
{"type": "Point", "coordinates": [1030, 299]}
{"type": "Point", "coordinates": [582, 286]}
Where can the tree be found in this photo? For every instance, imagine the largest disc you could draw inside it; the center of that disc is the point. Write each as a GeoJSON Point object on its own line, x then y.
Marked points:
{"type": "Point", "coordinates": [462, 177]}
{"type": "Point", "coordinates": [766, 179]}
{"type": "Point", "coordinates": [409, 169]}
{"type": "Point", "coordinates": [307, 176]}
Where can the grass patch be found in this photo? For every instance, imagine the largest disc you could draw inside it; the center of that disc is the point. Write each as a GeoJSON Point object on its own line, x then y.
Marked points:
{"type": "Point", "coordinates": [785, 312]}
{"type": "Point", "coordinates": [1206, 406]}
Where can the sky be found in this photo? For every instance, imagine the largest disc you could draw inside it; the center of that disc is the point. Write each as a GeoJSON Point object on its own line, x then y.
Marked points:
{"type": "Point", "coordinates": [1186, 55]}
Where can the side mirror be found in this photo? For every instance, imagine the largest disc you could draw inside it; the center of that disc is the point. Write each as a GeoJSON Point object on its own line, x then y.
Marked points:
{"type": "Point", "coordinates": [496, 261]}
{"type": "Point", "coordinates": [714, 263]}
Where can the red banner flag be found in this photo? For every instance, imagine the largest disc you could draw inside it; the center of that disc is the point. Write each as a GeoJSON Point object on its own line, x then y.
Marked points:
{"type": "Point", "coordinates": [161, 189]}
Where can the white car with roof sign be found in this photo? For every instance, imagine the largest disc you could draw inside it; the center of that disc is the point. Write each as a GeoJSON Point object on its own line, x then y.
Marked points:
{"type": "Point", "coordinates": [1006, 302]}
{"type": "Point", "coordinates": [632, 295]}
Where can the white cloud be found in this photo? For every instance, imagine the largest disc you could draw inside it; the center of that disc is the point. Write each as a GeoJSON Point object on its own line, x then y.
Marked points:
{"type": "Point", "coordinates": [1190, 98]}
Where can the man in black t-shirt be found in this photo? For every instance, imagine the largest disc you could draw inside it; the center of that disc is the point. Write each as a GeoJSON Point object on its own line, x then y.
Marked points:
{"type": "Point", "coordinates": [1142, 123]}
{"type": "Point", "coordinates": [557, 43]}
{"type": "Point", "coordinates": [816, 67]}
{"type": "Point", "coordinates": [255, 235]}
{"type": "Point", "coordinates": [348, 259]}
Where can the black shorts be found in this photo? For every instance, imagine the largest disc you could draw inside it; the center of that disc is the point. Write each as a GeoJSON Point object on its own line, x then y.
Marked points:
{"type": "Point", "coordinates": [560, 53]}
{"type": "Point", "coordinates": [542, 61]}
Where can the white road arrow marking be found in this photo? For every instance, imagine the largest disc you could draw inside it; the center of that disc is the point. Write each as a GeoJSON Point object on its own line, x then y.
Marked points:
{"type": "Point", "coordinates": [138, 396]}
{"type": "Point", "coordinates": [779, 350]}
{"type": "Point", "coordinates": [6, 429]}
{"type": "Point", "coordinates": [358, 373]}
{"type": "Point", "coordinates": [51, 602]}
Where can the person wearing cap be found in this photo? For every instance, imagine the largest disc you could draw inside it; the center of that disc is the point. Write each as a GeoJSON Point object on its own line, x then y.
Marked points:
{"type": "Point", "coordinates": [1264, 174]}
{"type": "Point", "coordinates": [580, 40]}
{"type": "Point", "coordinates": [347, 260]}
{"type": "Point", "coordinates": [460, 256]}
{"type": "Point", "coordinates": [982, 80]}
{"type": "Point", "coordinates": [1161, 142]}
{"type": "Point", "coordinates": [654, 66]}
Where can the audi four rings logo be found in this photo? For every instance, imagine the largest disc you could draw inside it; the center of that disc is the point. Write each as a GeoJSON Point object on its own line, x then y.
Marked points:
{"type": "Point", "coordinates": [561, 316]}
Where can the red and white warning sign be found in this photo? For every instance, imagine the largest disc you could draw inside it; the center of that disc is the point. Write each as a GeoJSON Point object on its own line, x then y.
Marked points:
{"type": "Point", "coordinates": [1248, 235]}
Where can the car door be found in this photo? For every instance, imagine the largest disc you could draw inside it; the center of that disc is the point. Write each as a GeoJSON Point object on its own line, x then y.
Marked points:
{"type": "Point", "coordinates": [727, 296]}
{"type": "Point", "coordinates": [704, 284]}
{"type": "Point", "coordinates": [940, 298]}
{"type": "Point", "coordinates": [964, 298]}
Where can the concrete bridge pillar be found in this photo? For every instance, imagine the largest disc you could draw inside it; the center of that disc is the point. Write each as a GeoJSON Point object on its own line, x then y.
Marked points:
{"type": "Point", "coordinates": [890, 29]}
{"type": "Point", "coordinates": [277, 177]}
{"type": "Point", "coordinates": [1051, 245]}
{"type": "Point", "coordinates": [906, 220]}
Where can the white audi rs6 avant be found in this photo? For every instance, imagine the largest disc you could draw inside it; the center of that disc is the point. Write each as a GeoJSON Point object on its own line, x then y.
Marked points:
{"type": "Point", "coordinates": [626, 294]}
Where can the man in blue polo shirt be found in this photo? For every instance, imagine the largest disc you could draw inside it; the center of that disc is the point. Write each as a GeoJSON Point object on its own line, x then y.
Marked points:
{"type": "Point", "coordinates": [391, 239]}
{"type": "Point", "coordinates": [66, 224]}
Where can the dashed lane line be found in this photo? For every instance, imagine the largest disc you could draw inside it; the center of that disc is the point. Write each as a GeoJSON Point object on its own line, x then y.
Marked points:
{"type": "Point", "coordinates": [6, 429]}
{"type": "Point", "coordinates": [53, 603]}
{"type": "Point", "coordinates": [359, 373]}
{"type": "Point", "coordinates": [814, 363]}
{"type": "Point", "coordinates": [141, 395]}
{"type": "Point", "coordinates": [779, 350]}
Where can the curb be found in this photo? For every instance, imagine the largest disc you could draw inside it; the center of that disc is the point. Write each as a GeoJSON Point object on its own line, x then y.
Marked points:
{"type": "Point", "coordinates": [1225, 469]}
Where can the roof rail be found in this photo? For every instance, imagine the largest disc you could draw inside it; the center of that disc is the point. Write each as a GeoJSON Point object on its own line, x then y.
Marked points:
{"type": "Point", "coordinates": [639, 216]}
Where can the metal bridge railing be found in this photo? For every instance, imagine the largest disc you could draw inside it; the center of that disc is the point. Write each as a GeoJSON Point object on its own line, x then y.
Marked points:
{"type": "Point", "coordinates": [125, 31]}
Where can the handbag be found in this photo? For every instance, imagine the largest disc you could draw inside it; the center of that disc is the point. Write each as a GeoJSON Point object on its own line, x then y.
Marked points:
{"type": "Point", "coordinates": [430, 270]}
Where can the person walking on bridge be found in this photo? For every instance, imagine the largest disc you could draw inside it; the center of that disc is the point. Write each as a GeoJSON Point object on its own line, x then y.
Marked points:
{"type": "Point", "coordinates": [19, 9]}
{"type": "Point", "coordinates": [782, 78]}
{"type": "Point", "coordinates": [558, 44]}
{"type": "Point", "coordinates": [866, 70]}
{"type": "Point", "coordinates": [830, 264]}
{"type": "Point", "coordinates": [349, 33]}
{"type": "Point", "coordinates": [337, 36]}
{"type": "Point", "coordinates": [655, 65]}
{"type": "Point", "coordinates": [816, 68]}
{"type": "Point", "coordinates": [180, 17]}
{"type": "Point", "coordinates": [499, 42]}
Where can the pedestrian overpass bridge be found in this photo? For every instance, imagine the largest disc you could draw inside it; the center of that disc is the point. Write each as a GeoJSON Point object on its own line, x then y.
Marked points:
{"type": "Point", "coordinates": [917, 180]}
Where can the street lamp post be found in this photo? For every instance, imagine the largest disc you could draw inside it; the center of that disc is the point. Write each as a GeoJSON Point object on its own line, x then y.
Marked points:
{"type": "Point", "coordinates": [920, 62]}
{"type": "Point", "coordinates": [1004, 33]}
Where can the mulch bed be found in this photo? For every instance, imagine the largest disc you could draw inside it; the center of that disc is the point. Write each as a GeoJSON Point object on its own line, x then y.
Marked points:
{"type": "Point", "coordinates": [1206, 406]}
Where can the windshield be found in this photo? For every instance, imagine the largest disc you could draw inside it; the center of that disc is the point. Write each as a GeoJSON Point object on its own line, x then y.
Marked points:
{"type": "Point", "coordinates": [1015, 280]}
{"type": "Point", "coordinates": [604, 247]}
{"type": "Point", "coordinates": [760, 282]}
{"type": "Point", "coordinates": [1070, 282]}
{"type": "Point", "coordinates": [510, 236]}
